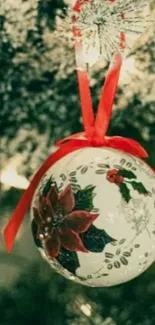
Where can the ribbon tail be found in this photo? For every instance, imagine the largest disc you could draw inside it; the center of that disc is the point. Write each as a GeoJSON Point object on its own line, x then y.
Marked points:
{"type": "Point", "coordinates": [13, 225]}
{"type": "Point", "coordinates": [107, 97]}
{"type": "Point", "coordinates": [15, 222]}
{"type": "Point", "coordinates": [128, 145]}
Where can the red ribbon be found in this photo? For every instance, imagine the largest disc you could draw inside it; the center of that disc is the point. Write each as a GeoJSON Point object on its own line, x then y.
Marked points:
{"type": "Point", "coordinates": [94, 136]}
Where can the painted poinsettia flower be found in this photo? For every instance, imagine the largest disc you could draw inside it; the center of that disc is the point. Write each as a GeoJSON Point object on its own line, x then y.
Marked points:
{"type": "Point", "coordinates": [114, 177]}
{"type": "Point", "coordinates": [58, 225]}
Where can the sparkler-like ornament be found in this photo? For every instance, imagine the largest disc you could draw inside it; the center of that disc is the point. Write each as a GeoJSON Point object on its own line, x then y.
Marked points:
{"type": "Point", "coordinates": [108, 26]}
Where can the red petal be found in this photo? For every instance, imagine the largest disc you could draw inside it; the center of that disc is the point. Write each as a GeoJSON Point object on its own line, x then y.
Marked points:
{"type": "Point", "coordinates": [53, 196]}
{"type": "Point", "coordinates": [52, 246]}
{"type": "Point", "coordinates": [37, 217]}
{"type": "Point", "coordinates": [45, 208]}
{"type": "Point", "coordinates": [79, 221]}
{"type": "Point", "coordinates": [66, 199]}
{"type": "Point", "coordinates": [71, 241]}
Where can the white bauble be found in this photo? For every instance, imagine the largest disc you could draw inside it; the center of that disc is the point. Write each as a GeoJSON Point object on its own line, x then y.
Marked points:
{"type": "Point", "coordinates": [95, 222]}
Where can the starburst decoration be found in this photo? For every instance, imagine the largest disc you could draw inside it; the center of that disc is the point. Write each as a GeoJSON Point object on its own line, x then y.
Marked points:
{"type": "Point", "coordinates": [108, 26]}
{"type": "Point", "coordinates": [138, 214]}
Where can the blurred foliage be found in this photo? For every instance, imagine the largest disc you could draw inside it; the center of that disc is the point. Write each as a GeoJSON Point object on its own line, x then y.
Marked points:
{"type": "Point", "coordinates": [39, 105]}
{"type": "Point", "coordinates": [42, 297]}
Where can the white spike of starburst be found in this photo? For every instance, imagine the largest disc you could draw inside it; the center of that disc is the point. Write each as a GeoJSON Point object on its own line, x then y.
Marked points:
{"type": "Point", "coordinates": [108, 26]}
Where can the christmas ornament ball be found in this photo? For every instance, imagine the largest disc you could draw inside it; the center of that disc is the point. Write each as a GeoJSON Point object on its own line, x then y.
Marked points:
{"type": "Point", "coordinates": [93, 216]}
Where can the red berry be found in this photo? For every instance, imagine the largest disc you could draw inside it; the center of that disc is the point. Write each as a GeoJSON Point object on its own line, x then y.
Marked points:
{"type": "Point", "coordinates": [112, 179]}
{"type": "Point", "coordinates": [112, 172]}
{"type": "Point", "coordinates": [119, 179]}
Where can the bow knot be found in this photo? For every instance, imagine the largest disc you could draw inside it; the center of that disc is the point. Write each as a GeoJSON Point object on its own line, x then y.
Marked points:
{"type": "Point", "coordinates": [96, 140]}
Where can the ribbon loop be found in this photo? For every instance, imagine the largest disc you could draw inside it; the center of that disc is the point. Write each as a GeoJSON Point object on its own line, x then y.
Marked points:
{"type": "Point", "coordinates": [107, 96]}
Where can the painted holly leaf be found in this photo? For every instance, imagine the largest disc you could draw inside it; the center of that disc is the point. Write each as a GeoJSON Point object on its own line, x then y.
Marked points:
{"type": "Point", "coordinates": [34, 232]}
{"type": "Point", "coordinates": [125, 192]}
{"type": "Point", "coordinates": [47, 187]}
{"type": "Point", "coordinates": [139, 187]}
{"type": "Point", "coordinates": [95, 239]}
{"type": "Point", "coordinates": [69, 260]}
{"type": "Point", "coordinates": [84, 199]}
{"type": "Point", "coordinates": [126, 173]}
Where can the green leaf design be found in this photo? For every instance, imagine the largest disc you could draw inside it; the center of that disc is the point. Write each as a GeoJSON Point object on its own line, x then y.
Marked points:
{"type": "Point", "coordinates": [139, 187]}
{"type": "Point", "coordinates": [89, 187]}
{"type": "Point", "coordinates": [73, 179]}
{"type": "Point", "coordinates": [126, 254]}
{"type": "Point", "coordinates": [69, 260]}
{"type": "Point", "coordinates": [100, 171]}
{"type": "Point", "coordinates": [75, 187]}
{"type": "Point", "coordinates": [122, 241]}
{"type": "Point", "coordinates": [95, 210]}
{"type": "Point", "coordinates": [109, 255]}
{"type": "Point", "coordinates": [72, 173]}
{"type": "Point", "coordinates": [95, 239]}
{"type": "Point", "coordinates": [124, 261]}
{"type": "Point", "coordinates": [34, 233]}
{"type": "Point", "coordinates": [48, 186]}
{"type": "Point", "coordinates": [63, 176]}
{"type": "Point", "coordinates": [84, 169]}
{"type": "Point", "coordinates": [103, 165]}
{"type": "Point", "coordinates": [79, 167]}
{"type": "Point", "coordinates": [117, 264]}
{"type": "Point", "coordinates": [125, 192]}
{"type": "Point", "coordinates": [84, 199]}
{"type": "Point", "coordinates": [127, 173]}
